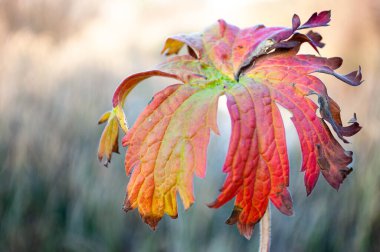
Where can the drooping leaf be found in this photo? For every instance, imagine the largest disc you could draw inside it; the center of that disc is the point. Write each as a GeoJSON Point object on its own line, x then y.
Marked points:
{"type": "Point", "coordinates": [108, 141]}
{"type": "Point", "coordinates": [257, 68]}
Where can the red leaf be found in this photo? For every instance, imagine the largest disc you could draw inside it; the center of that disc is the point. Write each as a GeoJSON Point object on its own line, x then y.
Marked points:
{"type": "Point", "coordinates": [257, 161]}
{"type": "Point", "coordinates": [256, 68]}
{"type": "Point", "coordinates": [290, 87]}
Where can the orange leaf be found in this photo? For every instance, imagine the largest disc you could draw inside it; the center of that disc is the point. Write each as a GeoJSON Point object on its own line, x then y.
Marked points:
{"type": "Point", "coordinates": [167, 144]}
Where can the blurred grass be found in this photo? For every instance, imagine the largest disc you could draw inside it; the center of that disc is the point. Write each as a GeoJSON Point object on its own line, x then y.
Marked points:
{"type": "Point", "coordinates": [60, 62]}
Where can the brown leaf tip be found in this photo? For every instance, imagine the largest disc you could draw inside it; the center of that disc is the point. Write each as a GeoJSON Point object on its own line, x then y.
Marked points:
{"type": "Point", "coordinates": [234, 216]}
{"type": "Point", "coordinates": [152, 221]}
{"type": "Point", "coordinates": [106, 163]}
{"type": "Point", "coordinates": [104, 118]}
{"type": "Point", "coordinates": [346, 171]}
{"type": "Point", "coordinates": [174, 216]}
{"type": "Point", "coordinates": [245, 229]}
{"type": "Point", "coordinates": [287, 206]}
{"type": "Point", "coordinates": [127, 206]}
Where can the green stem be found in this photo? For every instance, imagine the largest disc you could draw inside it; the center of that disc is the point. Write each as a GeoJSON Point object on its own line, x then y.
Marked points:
{"type": "Point", "coordinates": [265, 231]}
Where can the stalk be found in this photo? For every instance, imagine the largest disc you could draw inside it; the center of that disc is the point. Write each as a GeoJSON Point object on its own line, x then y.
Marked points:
{"type": "Point", "coordinates": [265, 232]}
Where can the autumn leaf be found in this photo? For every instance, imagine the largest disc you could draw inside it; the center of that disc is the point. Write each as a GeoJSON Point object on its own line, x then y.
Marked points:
{"type": "Point", "coordinates": [257, 69]}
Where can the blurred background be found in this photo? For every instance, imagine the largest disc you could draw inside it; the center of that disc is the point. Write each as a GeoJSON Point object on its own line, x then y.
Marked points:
{"type": "Point", "coordinates": [60, 62]}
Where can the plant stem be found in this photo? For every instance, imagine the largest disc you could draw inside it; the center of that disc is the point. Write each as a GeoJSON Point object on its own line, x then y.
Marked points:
{"type": "Point", "coordinates": [265, 231]}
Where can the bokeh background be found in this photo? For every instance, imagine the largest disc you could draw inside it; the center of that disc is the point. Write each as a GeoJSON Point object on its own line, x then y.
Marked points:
{"type": "Point", "coordinates": [61, 60]}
